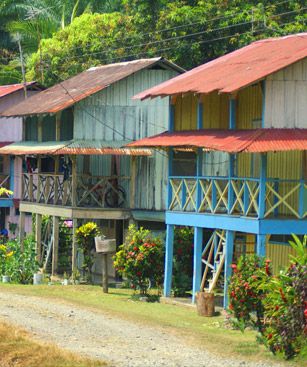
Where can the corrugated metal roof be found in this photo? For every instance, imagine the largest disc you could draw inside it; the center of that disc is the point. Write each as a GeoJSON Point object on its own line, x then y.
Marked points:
{"type": "Point", "coordinates": [231, 141]}
{"type": "Point", "coordinates": [33, 147]}
{"type": "Point", "coordinates": [236, 70]}
{"type": "Point", "coordinates": [4, 143]}
{"type": "Point", "coordinates": [71, 147]}
{"type": "Point", "coordinates": [11, 88]}
{"type": "Point", "coordinates": [101, 147]}
{"type": "Point", "coordinates": [72, 90]}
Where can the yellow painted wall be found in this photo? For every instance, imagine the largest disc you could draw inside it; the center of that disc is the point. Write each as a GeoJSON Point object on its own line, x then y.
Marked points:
{"type": "Point", "coordinates": [186, 112]}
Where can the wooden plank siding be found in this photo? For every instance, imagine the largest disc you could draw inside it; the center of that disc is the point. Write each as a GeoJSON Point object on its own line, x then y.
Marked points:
{"type": "Point", "coordinates": [112, 115]}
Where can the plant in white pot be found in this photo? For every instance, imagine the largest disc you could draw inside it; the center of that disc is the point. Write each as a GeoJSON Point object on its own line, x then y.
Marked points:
{"type": "Point", "coordinates": [65, 279]}
{"type": "Point", "coordinates": [6, 256]}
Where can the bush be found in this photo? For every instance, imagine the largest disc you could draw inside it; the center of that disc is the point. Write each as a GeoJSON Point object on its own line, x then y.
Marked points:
{"type": "Point", "coordinates": [140, 259]}
{"type": "Point", "coordinates": [22, 265]}
{"type": "Point", "coordinates": [85, 235]}
{"type": "Point", "coordinates": [182, 261]}
{"type": "Point", "coordinates": [280, 303]}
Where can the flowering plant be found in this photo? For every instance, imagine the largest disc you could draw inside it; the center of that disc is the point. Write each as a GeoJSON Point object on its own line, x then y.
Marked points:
{"type": "Point", "coordinates": [140, 259]}
{"type": "Point", "coordinates": [5, 258]}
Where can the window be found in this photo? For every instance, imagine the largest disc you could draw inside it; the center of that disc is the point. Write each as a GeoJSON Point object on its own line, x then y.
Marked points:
{"type": "Point", "coordinates": [184, 164]}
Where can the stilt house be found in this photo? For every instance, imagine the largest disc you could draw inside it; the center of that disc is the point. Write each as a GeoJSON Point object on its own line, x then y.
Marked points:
{"type": "Point", "coordinates": [75, 166]}
{"type": "Point", "coordinates": [236, 142]}
{"type": "Point", "coordinates": [10, 170]}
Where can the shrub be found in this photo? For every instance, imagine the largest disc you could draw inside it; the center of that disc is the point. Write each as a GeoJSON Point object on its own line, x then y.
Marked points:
{"type": "Point", "coordinates": [22, 265]}
{"type": "Point", "coordinates": [182, 261]}
{"type": "Point", "coordinates": [85, 235]}
{"type": "Point", "coordinates": [5, 258]}
{"type": "Point", "coordinates": [280, 302]}
{"type": "Point", "coordinates": [140, 259]}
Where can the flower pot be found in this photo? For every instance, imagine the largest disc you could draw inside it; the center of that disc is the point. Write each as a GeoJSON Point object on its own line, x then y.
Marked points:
{"type": "Point", "coordinates": [37, 279]}
{"type": "Point", "coordinates": [205, 304]}
{"type": "Point", "coordinates": [65, 282]}
{"type": "Point", "coordinates": [6, 279]}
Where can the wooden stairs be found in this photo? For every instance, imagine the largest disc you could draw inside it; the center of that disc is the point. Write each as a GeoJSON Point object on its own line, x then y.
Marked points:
{"type": "Point", "coordinates": [213, 258]}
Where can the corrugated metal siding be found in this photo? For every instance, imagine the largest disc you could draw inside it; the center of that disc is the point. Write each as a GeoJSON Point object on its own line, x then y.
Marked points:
{"type": "Point", "coordinates": [215, 111]}
{"type": "Point", "coordinates": [48, 128]}
{"type": "Point", "coordinates": [286, 95]}
{"type": "Point", "coordinates": [112, 115]}
{"type": "Point", "coordinates": [279, 254]}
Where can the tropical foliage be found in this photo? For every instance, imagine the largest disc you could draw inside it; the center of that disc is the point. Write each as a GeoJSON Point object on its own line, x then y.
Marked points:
{"type": "Point", "coordinates": [140, 259]}
{"type": "Point", "coordinates": [188, 32]}
{"type": "Point", "coordinates": [280, 302]}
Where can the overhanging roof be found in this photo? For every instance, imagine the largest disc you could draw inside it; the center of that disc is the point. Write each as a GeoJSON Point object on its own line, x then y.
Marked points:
{"type": "Point", "coordinates": [71, 148]}
{"type": "Point", "coordinates": [12, 88]}
{"type": "Point", "coordinates": [231, 141]}
{"type": "Point", "coordinates": [93, 80]}
{"type": "Point", "coordinates": [236, 70]}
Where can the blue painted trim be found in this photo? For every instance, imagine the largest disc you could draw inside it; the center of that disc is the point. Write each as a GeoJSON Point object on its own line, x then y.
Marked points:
{"type": "Point", "coordinates": [302, 199]}
{"type": "Point", "coordinates": [171, 118]}
{"type": "Point", "coordinates": [275, 200]}
{"type": "Point", "coordinates": [215, 241]}
{"type": "Point", "coordinates": [6, 203]}
{"type": "Point", "coordinates": [170, 169]}
{"type": "Point", "coordinates": [262, 188]}
{"type": "Point", "coordinates": [213, 195]}
{"type": "Point", "coordinates": [12, 174]}
{"type": "Point", "coordinates": [199, 168]}
{"type": "Point", "coordinates": [263, 88]}
{"type": "Point", "coordinates": [199, 115]}
{"type": "Point", "coordinates": [197, 263]}
{"type": "Point", "coordinates": [245, 197]}
{"type": "Point", "coordinates": [231, 169]}
{"type": "Point", "coordinates": [227, 265]}
{"type": "Point", "coordinates": [232, 113]}
{"type": "Point", "coordinates": [233, 223]}
{"type": "Point", "coordinates": [261, 243]}
{"type": "Point", "coordinates": [183, 194]}
{"type": "Point", "coordinates": [169, 251]}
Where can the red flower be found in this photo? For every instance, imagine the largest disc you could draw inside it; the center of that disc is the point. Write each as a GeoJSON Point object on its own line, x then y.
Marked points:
{"type": "Point", "coordinates": [231, 306]}
{"type": "Point", "coordinates": [135, 248]}
{"type": "Point", "coordinates": [276, 308]}
{"type": "Point", "coordinates": [305, 313]}
{"type": "Point", "coordinates": [268, 261]}
{"type": "Point", "coordinates": [139, 273]}
{"type": "Point", "coordinates": [270, 336]}
{"type": "Point", "coordinates": [232, 293]}
{"type": "Point", "coordinates": [179, 251]}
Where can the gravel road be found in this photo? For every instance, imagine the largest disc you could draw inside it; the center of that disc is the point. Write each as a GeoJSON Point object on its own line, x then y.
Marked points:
{"type": "Point", "coordinates": [119, 342]}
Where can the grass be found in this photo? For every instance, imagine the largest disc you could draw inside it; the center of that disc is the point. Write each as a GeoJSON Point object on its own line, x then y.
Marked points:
{"type": "Point", "coordinates": [182, 321]}
{"type": "Point", "coordinates": [18, 349]}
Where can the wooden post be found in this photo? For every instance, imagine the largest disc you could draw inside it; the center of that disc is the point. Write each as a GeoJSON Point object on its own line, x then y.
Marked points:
{"type": "Point", "coordinates": [261, 243]}
{"type": "Point", "coordinates": [262, 188]}
{"type": "Point", "coordinates": [74, 181]}
{"type": "Point", "coordinates": [58, 126]}
{"type": "Point", "coordinates": [74, 245]}
{"type": "Point", "coordinates": [105, 275]}
{"type": "Point", "coordinates": [169, 249]}
{"type": "Point", "coordinates": [133, 177]}
{"type": "Point", "coordinates": [39, 168]}
{"type": "Point", "coordinates": [38, 237]}
{"type": "Point", "coordinates": [228, 261]}
{"type": "Point", "coordinates": [12, 174]}
{"type": "Point", "coordinates": [55, 245]}
{"type": "Point", "coordinates": [197, 263]}
{"type": "Point", "coordinates": [40, 129]}
{"type": "Point", "coordinates": [22, 230]}
{"type": "Point", "coordinates": [56, 177]}
{"type": "Point", "coordinates": [231, 166]}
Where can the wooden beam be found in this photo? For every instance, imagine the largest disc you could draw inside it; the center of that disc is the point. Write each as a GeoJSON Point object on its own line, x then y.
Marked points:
{"type": "Point", "coordinates": [39, 169]}
{"type": "Point", "coordinates": [38, 236]}
{"type": "Point", "coordinates": [262, 185]}
{"type": "Point", "coordinates": [58, 126]}
{"type": "Point", "coordinates": [74, 181]}
{"type": "Point", "coordinates": [228, 260]}
{"type": "Point", "coordinates": [55, 244]}
{"type": "Point", "coordinates": [168, 270]}
{"type": "Point", "coordinates": [197, 263]}
{"type": "Point", "coordinates": [133, 182]}
{"type": "Point", "coordinates": [22, 230]}
{"type": "Point", "coordinates": [40, 129]}
{"type": "Point", "coordinates": [74, 245]}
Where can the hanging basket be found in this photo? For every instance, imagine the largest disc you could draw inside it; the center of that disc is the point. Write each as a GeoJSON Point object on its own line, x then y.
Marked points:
{"type": "Point", "coordinates": [205, 304]}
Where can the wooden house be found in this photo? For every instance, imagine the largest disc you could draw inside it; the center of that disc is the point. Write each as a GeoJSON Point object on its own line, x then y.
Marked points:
{"type": "Point", "coordinates": [237, 142]}
{"type": "Point", "coordinates": [10, 170]}
{"type": "Point", "coordinates": [72, 143]}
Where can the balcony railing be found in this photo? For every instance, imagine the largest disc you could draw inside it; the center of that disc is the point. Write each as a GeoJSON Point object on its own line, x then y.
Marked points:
{"type": "Point", "coordinates": [87, 191]}
{"type": "Point", "coordinates": [238, 196]}
{"type": "Point", "coordinates": [5, 184]}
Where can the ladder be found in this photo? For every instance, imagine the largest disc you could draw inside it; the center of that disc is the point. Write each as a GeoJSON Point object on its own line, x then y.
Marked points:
{"type": "Point", "coordinates": [213, 257]}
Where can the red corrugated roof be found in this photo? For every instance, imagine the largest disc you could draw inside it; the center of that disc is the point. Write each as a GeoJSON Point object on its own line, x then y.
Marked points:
{"type": "Point", "coordinates": [231, 141]}
{"type": "Point", "coordinates": [4, 143]}
{"type": "Point", "coordinates": [81, 86]}
{"type": "Point", "coordinates": [11, 88]}
{"type": "Point", "coordinates": [236, 70]}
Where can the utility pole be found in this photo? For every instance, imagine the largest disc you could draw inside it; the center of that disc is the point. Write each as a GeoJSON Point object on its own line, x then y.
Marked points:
{"type": "Point", "coordinates": [22, 66]}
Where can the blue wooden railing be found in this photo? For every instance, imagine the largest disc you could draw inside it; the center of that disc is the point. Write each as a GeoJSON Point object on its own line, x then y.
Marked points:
{"type": "Point", "coordinates": [238, 196]}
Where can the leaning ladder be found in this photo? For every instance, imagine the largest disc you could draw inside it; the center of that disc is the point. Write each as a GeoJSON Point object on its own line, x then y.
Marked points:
{"type": "Point", "coordinates": [213, 260]}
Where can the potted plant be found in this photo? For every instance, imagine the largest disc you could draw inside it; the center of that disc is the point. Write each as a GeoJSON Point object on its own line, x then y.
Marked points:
{"type": "Point", "coordinates": [75, 277]}
{"type": "Point", "coordinates": [66, 278]}
{"type": "Point", "coordinates": [6, 257]}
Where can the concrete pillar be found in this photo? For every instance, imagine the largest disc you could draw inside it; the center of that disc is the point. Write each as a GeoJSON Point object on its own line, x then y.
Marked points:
{"type": "Point", "coordinates": [55, 244]}
{"type": "Point", "coordinates": [197, 263]}
{"type": "Point", "coordinates": [169, 250]}
{"type": "Point", "coordinates": [228, 261]}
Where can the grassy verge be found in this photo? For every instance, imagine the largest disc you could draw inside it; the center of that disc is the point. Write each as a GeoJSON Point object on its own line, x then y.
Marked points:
{"type": "Point", "coordinates": [17, 349]}
{"type": "Point", "coordinates": [208, 332]}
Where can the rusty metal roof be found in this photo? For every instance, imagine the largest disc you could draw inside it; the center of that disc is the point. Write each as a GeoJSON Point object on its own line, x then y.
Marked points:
{"type": "Point", "coordinates": [4, 143]}
{"type": "Point", "coordinates": [71, 148]}
{"type": "Point", "coordinates": [11, 88]}
{"type": "Point", "coordinates": [101, 147]}
{"type": "Point", "coordinates": [236, 70]}
{"type": "Point", "coordinates": [231, 141]}
{"type": "Point", "coordinates": [70, 91]}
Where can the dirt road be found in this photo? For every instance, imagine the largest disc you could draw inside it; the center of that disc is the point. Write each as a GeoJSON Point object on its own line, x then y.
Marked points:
{"type": "Point", "coordinates": [119, 342]}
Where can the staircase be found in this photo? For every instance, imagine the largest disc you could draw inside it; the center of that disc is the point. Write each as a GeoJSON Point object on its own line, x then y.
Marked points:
{"type": "Point", "coordinates": [213, 258]}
